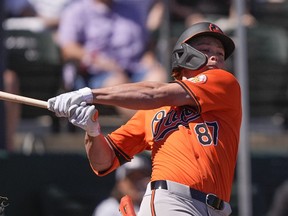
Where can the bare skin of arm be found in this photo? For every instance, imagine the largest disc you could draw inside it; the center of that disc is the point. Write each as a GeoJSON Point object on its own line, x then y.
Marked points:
{"type": "Point", "coordinates": [142, 95]}
{"type": "Point", "coordinates": [99, 152]}
{"type": "Point", "coordinates": [138, 96]}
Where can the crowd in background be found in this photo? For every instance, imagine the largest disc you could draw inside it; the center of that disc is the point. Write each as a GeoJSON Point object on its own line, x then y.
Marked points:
{"type": "Point", "coordinates": [102, 42]}
{"type": "Point", "coordinates": [106, 42]}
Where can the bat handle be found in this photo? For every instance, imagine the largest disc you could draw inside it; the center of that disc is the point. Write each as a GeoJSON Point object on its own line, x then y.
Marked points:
{"type": "Point", "coordinates": [37, 103]}
{"type": "Point", "coordinates": [94, 117]}
{"type": "Point", "coordinates": [23, 100]}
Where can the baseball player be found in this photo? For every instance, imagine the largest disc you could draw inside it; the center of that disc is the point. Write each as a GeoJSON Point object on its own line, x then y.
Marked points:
{"type": "Point", "coordinates": [190, 125]}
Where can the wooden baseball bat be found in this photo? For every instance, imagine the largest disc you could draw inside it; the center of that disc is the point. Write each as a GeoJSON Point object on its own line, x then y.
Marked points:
{"type": "Point", "coordinates": [23, 100]}
{"type": "Point", "coordinates": [31, 102]}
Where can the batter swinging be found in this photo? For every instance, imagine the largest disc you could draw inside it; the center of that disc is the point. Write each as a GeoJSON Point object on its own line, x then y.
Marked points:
{"type": "Point", "coordinates": [190, 125]}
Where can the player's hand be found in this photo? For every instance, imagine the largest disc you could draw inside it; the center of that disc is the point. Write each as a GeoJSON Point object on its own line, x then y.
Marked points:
{"type": "Point", "coordinates": [85, 117]}
{"type": "Point", "coordinates": [61, 103]}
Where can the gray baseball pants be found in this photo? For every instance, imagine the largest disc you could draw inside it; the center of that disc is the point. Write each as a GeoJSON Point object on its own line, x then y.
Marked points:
{"type": "Point", "coordinates": [176, 201]}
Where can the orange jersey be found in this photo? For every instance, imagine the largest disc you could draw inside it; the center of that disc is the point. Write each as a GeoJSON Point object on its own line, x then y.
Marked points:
{"type": "Point", "coordinates": [195, 146]}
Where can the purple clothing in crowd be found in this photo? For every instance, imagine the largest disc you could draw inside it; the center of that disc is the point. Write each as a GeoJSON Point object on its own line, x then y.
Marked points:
{"type": "Point", "coordinates": [101, 30]}
{"type": "Point", "coordinates": [137, 10]}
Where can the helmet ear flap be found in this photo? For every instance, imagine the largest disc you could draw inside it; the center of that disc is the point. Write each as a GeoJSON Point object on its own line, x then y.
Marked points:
{"type": "Point", "coordinates": [188, 57]}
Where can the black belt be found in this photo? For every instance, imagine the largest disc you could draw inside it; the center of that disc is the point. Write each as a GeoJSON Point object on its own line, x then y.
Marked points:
{"type": "Point", "coordinates": [209, 199]}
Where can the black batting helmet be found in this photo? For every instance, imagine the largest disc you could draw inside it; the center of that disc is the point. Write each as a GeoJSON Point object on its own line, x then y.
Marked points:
{"type": "Point", "coordinates": [186, 56]}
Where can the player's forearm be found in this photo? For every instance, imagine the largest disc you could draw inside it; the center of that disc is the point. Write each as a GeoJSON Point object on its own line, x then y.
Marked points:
{"type": "Point", "coordinates": [99, 153]}
{"type": "Point", "coordinates": [143, 95]}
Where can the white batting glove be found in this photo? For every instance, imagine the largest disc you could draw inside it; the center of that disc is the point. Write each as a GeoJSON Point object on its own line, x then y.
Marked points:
{"type": "Point", "coordinates": [85, 117]}
{"type": "Point", "coordinates": [61, 103]}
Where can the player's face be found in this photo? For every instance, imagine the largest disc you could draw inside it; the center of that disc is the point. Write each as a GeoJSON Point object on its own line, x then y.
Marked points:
{"type": "Point", "coordinates": [213, 49]}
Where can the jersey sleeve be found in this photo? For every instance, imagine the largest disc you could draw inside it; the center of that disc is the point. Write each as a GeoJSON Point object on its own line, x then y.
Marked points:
{"type": "Point", "coordinates": [127, 141]}
{"type": "Point", "coordinates": [213, 90]}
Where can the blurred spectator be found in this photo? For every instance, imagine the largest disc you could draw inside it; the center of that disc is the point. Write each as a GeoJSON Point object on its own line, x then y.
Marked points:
{"type": "Point", "coordinates": [20, 15]}
{"type": "Point", "coordinates": [35, 14]}
{"type": "Point", "coordinates": [191, 12]}
{"type": "Point", "coordinates": [49, 11]}
{"type": "Point", "coordinates": [223, 13]}
{"type": "Point", "coordinates": [106, 47]}
{"type": "Point", "coordinates": [11, 85]}
{"type": "Point", "coordinates": [131, 179]}
{"type": "Point", "coordinates": [229, 23]}
{"type": "Point", "coordinates": [140, 11]}
{"type": "Point", "coordinates": [13, 8]}
{"type": "Point", "coordinates": [18, 8]}
{"type": "Point", "coordinates": [148, 14]}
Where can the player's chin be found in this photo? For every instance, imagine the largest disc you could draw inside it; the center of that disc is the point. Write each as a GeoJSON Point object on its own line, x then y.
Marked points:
{"type": "Point", "coordinates": [211, 67]}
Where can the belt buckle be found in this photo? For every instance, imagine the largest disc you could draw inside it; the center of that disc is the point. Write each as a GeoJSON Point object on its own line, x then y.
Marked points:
{"type": "Point", "coordinates": [214, 202]}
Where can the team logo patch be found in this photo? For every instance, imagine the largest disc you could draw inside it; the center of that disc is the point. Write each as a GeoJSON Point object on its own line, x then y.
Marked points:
{"type": "Point", "coordinates": [215, 28]}
{"type": "Point", "coordinates": [198, 79]}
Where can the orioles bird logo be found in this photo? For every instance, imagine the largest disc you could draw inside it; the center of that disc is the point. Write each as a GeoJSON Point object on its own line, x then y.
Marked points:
{"type": "Point", "coordinates": [215, 28]}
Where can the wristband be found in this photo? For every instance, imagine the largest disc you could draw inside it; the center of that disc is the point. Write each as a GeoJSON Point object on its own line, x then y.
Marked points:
{"type": "Point", "coordinates": [86, 94]}
{"type": "Point", "coordinates": [95, 130]}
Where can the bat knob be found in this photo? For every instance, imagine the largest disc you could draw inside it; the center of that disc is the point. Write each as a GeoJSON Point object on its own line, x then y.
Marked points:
{"type": "Point", "coordinates": [95, 116]}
